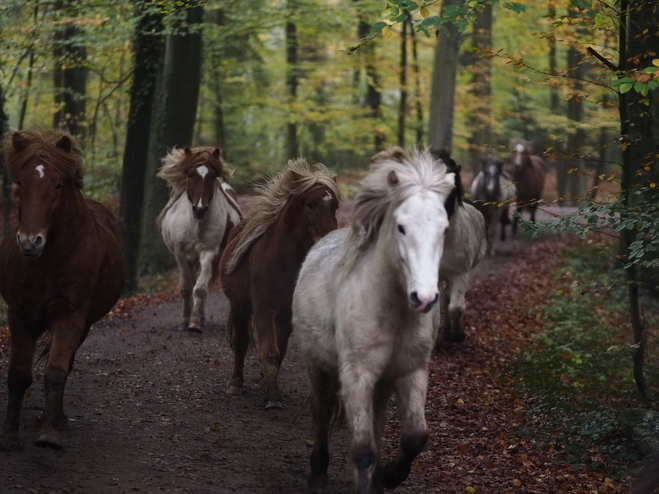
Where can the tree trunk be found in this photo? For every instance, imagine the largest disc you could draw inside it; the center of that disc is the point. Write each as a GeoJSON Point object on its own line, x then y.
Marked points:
{"type": "Point", "coordinates": [575, 112]}
{"type": "Point", "coordinates": [480, 116]}
{"type": "Point", "coordinates": [6, 181]}
{"type": "Point", "coordinates": [442, 90]}
{"type": "Point", "coordinates": [148, 48]}
{"type": "Point", "coordinates": [292, 148]}
{"type": "Point", "coordinates": [417, 85]}
{"type": "Point", "coordinates": [402, 104]}
{"type": "Point", "coordinates": [172, 126]}
{"type": "Point", "coordinates": [373, 97]}
{"type": "Point", "coordinates": [627, 191]}
{"type": "Point", "coordinates": [70, 73]}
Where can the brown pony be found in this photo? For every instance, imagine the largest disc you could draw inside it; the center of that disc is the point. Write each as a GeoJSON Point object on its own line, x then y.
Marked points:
{"type": "Point", "coordinates": [61, 270]}
{"type": "Point", "coordinates": [529, 177]}
{"type": "Point", "coordinates": [259, 266]}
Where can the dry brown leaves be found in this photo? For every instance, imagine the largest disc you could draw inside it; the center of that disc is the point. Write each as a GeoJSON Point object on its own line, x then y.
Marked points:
{"type": "Point", "coordinates": [474, 420]}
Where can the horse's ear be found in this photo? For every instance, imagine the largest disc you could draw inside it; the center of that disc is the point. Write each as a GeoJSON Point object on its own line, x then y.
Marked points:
{"type": "Point", "coordinates": [64, 143]}
{"type": "Point", "coordinates": [19, 142]}
{"type": "Point", "coordinates": [296, 176]}
{"type": "Point", "coordinates": [216, 152]}
{"type": "Point", "coordinates": [187, 150]}
{"type": "Point", "coordinates": [392, 178]}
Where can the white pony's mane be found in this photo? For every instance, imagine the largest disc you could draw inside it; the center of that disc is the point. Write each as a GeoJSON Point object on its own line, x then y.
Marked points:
{"type": "Point", "coordinates": [378, 195]}
{"type": "Point", "coordinates": [295, 180]}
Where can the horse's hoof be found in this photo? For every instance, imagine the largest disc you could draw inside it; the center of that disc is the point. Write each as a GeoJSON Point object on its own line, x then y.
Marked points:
{"type": "Point", "coordinates": [50, 440]}
{"type": "Point", "coordinates": [273, 405]}
{"type": "Point", "coordinates": [10, 442]}
{"type": "Point", "coordinates": [194, 328]}
{"type": "Point", "coordinates": [317, 484]}
{"type": "Point", "coordinates": [234, 389]}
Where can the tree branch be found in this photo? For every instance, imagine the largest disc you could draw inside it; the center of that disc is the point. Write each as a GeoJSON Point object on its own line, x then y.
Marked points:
{"type": "Point", "coordinates": [602, 59]}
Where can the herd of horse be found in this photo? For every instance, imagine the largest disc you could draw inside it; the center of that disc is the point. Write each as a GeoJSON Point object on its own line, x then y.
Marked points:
{"type": "Point", "coordinates": [365, 302]}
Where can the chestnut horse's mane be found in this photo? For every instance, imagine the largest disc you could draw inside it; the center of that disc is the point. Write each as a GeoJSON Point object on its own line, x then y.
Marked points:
{"type": "Point", "coordinates": [177, 164]}
{"type": "Point", "coordinates": [56, 148]}
{"type": "Point", "coordinates": [295, 180]}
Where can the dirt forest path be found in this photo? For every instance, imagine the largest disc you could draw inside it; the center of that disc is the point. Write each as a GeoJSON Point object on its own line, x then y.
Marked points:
{"type": "Point", "coordinates": [149, 413]}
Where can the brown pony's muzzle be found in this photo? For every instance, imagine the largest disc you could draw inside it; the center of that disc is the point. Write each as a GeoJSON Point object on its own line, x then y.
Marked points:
{"type": "Point", "coordinates": [30, 245]}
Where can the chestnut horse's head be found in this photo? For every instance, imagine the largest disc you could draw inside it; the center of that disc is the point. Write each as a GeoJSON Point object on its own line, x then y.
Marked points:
{"type": "Point", "coordinates": [521, 152]}
{"type": "Point", "coordinates": [316, 210]}
{"type": "Point", "coordinates": [46, 167]}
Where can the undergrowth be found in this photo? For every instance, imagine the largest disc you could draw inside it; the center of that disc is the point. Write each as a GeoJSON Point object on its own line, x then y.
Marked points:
{"type": "Point", "coordinates": [578, 371]}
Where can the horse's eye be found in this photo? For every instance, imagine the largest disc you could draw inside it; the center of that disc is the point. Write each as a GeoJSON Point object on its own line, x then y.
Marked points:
{"type": "Point", "coordinates": [59, 186]}
{"type": "Point", "coordinates": [401, 229]}
{"type": "Point", "coordinates": [18, 182]}
{"type": "Point", "coordinates": [309, 205]}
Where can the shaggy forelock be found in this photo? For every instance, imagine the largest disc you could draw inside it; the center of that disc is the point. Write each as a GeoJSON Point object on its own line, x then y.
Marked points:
{"type": "Point", "coordinates": [42, 144]}
{"type": "Point", "coordinates": [377, 196]}
{"type": "Point", "coordinates": [294, 181]}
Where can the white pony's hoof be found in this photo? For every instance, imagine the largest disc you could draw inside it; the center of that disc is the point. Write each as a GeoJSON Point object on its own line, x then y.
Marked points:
{"type": "Point", "coordinates": [195, 328]}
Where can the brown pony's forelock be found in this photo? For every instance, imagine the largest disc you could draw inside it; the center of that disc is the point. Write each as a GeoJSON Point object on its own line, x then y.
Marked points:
{"type": "Point", "coordinates": [42, 145]}
{"type": "Point", "coordinates": [176, 165]}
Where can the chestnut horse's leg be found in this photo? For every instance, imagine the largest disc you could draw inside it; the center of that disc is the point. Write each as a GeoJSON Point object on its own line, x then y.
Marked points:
{"type": "Point", "coordinates": [200, 291]}
{"type": "Point", "coordinates": [324, 389]}
{"type": "Point", "coordinates": [238, 332]}
{"type": "Point", "coordinates": [266, 328]}
{"type": "Point", "coordinates": [185, 285]}
{"type": "Point", "coordinates": [411, 402]}
{"type": "Point", "coordinates": [19, 378]}
{"type": "Point", "coordinates": [68, 334]}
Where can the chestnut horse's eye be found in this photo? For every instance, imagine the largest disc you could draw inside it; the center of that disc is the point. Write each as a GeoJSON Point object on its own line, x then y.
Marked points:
{"type": "Point", "coordinates": [401, 229]}
{"type": "Point", "coordinates": [59, 186]}
{"type": "Point", "coordinates": [309, 205]}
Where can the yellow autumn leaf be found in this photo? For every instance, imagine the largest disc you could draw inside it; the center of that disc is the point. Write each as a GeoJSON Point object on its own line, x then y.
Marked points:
{"type": "Point", "coordinates": [425, 12]}
{"type": "Point", "coordinates": [386, 32]}
{"type": "Point", "coordinates": [655, 62]}
{"type": "Point", "coordinates": [470, 489]}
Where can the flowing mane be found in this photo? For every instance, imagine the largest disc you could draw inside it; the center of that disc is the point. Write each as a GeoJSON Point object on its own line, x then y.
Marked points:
{"type": "Point", "coordinates": [296, 179]}
{"type": "Point", "coordinates": [57, 149]}
{"type": "Point", "coordinates": [177, 164]}
{"type": "Point", "coordinates": [388, 185]}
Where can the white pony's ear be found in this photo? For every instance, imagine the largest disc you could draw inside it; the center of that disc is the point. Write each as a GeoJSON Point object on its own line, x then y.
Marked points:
{"type": "Point", "coordinates": [392, 178]}
{"type": "Point", "coordinates": [216, 152]}
{"type": "Point", "coordinates": [187, 150]}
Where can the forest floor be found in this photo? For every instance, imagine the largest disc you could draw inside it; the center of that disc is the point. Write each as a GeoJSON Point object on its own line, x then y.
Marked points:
{"type": "Point", "coordinates": [149, 412]}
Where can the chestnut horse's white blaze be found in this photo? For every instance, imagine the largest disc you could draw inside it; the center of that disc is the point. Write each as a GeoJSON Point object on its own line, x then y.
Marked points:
{"type": "Point", "coordinates": [195, 223]}
{"type": "Point", "coordinates": [40, 170]}
{"type": "Point", "coordinates": [365, 314]}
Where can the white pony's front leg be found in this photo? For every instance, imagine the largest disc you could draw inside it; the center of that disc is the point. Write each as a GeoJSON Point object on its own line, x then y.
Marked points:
{"type": "Point", "coordinates": [357, 389]}
{"type": "Point", "coordinates": [185, 285]}
{"type": "Point", "coordinates": [200, 290]}
{"type": "Point", "coordinates": [410, 402]}
{"type": "Point", "coordinates": [456, 290]}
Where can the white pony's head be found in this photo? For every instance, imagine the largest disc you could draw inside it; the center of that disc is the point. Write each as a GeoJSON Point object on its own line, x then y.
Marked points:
{"type": "Point", "coordinates": [404, 200]}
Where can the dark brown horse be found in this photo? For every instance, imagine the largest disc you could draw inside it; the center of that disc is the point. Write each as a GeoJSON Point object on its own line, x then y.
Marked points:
{"type": "Point", "coordinates": [259, 266]}
{"type": "Point", "coordinates": [61, 270]}
{"type": "Point", "coordinates": [529, 177]}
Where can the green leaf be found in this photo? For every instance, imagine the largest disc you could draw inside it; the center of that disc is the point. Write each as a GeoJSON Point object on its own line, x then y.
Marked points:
{"type": "Point", "coordinates": [378, 27]}
{"type": "Point", "coordinates": [625, 87]}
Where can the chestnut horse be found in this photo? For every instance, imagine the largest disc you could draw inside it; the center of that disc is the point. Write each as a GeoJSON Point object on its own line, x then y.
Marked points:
{"type": "Point", "coordinates": [259, 266]}
{"type": "Point", "coordinates": [529, 177]}
{"type": "Point", "coordinates": [196, 222]}
{"type": "Point", "coordinates": [61, 270]}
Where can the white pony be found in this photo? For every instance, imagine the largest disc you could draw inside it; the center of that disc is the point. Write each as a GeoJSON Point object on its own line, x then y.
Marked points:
{"type": "Point", "coordinates": [465, 246]}
{"type": "Point", "coordinates": [366, 315]}
{"type": "Point", "coordinates": [196, 222]}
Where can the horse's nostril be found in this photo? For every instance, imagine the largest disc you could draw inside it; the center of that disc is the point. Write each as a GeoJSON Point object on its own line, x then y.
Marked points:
{"type": "Point", "coordinates": [38, 242]}
{"type": "Point", "coordinates": [414, 298]}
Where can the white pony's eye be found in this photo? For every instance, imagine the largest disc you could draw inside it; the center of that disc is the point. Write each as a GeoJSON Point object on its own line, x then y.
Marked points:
{"type": "Point", "coordinates": [401, 229]}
